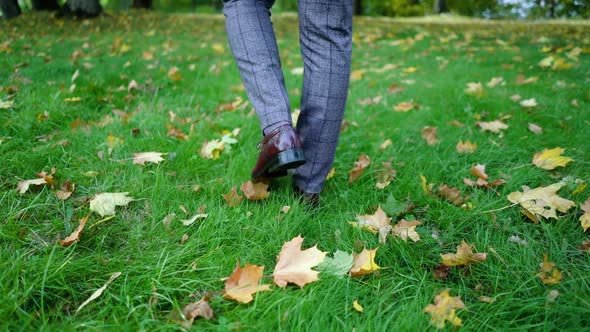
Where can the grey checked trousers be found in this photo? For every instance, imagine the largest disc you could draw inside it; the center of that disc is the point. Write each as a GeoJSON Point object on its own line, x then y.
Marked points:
{"type": "Point", "coordinates": [325, 32]}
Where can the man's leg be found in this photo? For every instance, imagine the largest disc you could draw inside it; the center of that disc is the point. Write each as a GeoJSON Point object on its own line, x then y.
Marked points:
{"type": "Point", "coordinates": [252, 40]}
{"type": "Point", "coordinates": [326, 45]}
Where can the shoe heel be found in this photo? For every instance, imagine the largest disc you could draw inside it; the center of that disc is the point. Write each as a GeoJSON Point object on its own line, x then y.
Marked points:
{"type": "Point", "coordinates": [287, 160]}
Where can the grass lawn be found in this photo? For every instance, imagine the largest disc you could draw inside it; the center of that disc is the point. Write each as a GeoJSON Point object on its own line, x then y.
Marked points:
{"type": "Point", "coordinates": [52, 123]}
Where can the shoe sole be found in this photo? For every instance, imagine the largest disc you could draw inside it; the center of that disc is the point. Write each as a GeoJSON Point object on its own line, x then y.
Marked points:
{"type": "Point", "coordinates": [282, 162]}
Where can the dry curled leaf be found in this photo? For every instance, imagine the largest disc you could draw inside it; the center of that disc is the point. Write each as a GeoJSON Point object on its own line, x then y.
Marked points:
{"type": "Point", "coordinates": [99, 291]}
{"type": "Point", "coordinates": [535, 128]}
{"type": "Point", "coordinates": [243, 283]}
{"type": "Point", "coordinates": [147, 157]}
{"type": "Point", "coordinates": [385, 176]}
{"type": "Point", "coordinates": [466, 147]}
{"type": "Point", "coordinates": [66, 191]}
{"type": "Point", "coordinates": [75, 236]}
{"type": "Point", "coordinates": [233, 199]}
{"type": "Point", "coordinates": [585, 218]}
{"type": "Point", "coordinates": [23, 186]}
{"type": "Point", "coordinates": [443, 309]}
{"type": "Point", "coordinates": [548, 273]}
{"type": "Point", "coordinates": [550, 159]}
{"type": "Point", "coordinates": [463, 256]}
{"type": "Point", "coordinates": [359, 166]}
{"type": "Point", "coordinates": [474, 89]}
{"type": "Point", "coordinates": [356, 306]}
{"type": "Point", "coordinates": [542, 202]}
{"type": "Point", "coordinates": [105, 203]}
{"type": "Point", "coordinates": [212, 149]}
{"type": "Point", "coordinates": [493, 126]}
{"type": "Point", "coordinates": [364, 263]}
{"type": "Point", "coordinates": [255, 191]}
{"type": "Point", "coordinates": [195, 310]}
{"type": "Point", "coordinates": [295, 265]}
{"type": "Point", "coordinates": [452, 194]}
{"type": "Point", "coordinates": [429, 135]}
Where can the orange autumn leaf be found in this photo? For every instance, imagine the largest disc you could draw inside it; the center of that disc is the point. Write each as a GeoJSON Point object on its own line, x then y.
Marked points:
{"type": "Point", "coordinates": [429, 135]}
{"type": "Point", "coordinates": [549, 274]}
{"type": "Point", "coordinates": [463, 256]}
{"type": "Point", "coordinates": [359, 167]}
{"type": "Point", "coordinates": [295, 265]}
{"type": "Point", "coordinates": [195, 310]}
{"type": "Point", "coordinates": [233, 199]}
{"type": "Point", "coordinates": [444, 309]}
{"type": "Point", "coordinates": [452, 194]}
{"type": "Point", "coordinates": [255, 191]}
{"type": "Point", "coordinates": [75, 236]}
{"type": "Point", "coordinates": [466, 147]}
{"type": "Point", "coordinates": [243, 283]}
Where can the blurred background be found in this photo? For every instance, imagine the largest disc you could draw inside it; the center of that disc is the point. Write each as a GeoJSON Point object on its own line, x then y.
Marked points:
{"type": "Point", "coordinates": [492, 9]}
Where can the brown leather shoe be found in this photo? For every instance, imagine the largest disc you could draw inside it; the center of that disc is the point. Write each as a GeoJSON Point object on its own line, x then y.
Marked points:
{"type": "Point", "coordinates": [280, 151]}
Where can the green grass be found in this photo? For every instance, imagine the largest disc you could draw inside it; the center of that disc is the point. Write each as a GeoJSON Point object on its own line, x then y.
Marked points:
{"type": "Point", "coordinates": [42, 284]}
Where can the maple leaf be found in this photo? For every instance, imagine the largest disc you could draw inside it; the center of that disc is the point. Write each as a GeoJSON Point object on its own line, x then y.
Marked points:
{"type": "Point", "coordinates": [75, 236]}
{"type": "Point", "coordinates": [404, 106]}
{"type": "Point", "coordinates": [212, 149]}
{"type": "Point", "coordinates": [359, 166]}
{"type": "Point", "coordinates": [541, 202]}
{"type": "Point", "coordinates": [174, 74]}
{"type": "Point", "coordinates": [244, 282]}
{"type": "Point", "coordinates": [255, 191]}
{"type": "Point", "coordinates": [67, 189]}
{"type": "Point", "coordinates": [294, 265]}
{"type": "Point", "coordinates": [463, 256]}
{"type": "Point", "coordinates": [337, 266]}
{"type": "Point", "coordinates": [385, 175]}
{"type": "Point", "coordinates": [6, 104]}
{"type": "Point", "coordinates": [105, 203]}
{"type": "Point", "coordinates": [147, 157]}
{"type": "Point", "coordinates": [475, 89]}
{"type": "Point", "coordinates": [375, 223]}
{"type": "Point", "coordinates": [429, 135]}
{"type": "Point", "coordinates": [492, 126]}
{"type": "Point", "coordinates": [452, 194]}
{"type": "Point", "coordinates": [479, 171]}
{"type": "Point", "coordinates": [548, 273]}
{"type": "Point", "coordinates": [407, 229]}
{"type": "Point", "coordinates": [495, 81]}
{"type": "Point", "coordinates": [194, 310]}
{"type": "Point", "coordinates": [535, 128]}
{"type": "Point", "coordinates": [466, 147]}
{"type": "Point", "coordinates": [529, 103]}
{"type": "Point", "coordinates": [443, 309]}
{"type": "Point", "coordinates": [551, 158]}
{"type": "Point", "coordinates": [364, 263]}
{"type": "Point", "coordinates": [585, 218]}
{"type": "Point", "coordinates": [233, 199]}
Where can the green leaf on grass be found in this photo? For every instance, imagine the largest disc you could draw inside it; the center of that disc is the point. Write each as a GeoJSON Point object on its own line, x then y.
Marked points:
{"type": "Point", "coordinates": [337, 266]}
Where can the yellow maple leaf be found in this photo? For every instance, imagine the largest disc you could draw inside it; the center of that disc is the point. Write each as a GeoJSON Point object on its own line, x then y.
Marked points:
{"type": "Point", "coordinates": [407, 229]}
{"type": "Point", "coordinates": [364, 263]}
{"type": "Point", "coordinates": [212, 149]}
{"type": "Point", "coordinates": [374, 222]}
{"type": "Point", "coordinates": [541, 202]}
{"type": "Point", "coordinates": [105, 203]}
{"type": "Point", "coordinates": [295, 265]}
{"type": "Point", "coordinates": [443, 309]}
{"type": "Point", "coordinates": [463, 256]}
{"type": "Point", "coordinates": [549, 274]}
{"type": "Point", "coordinates": [551, 158]}
{"type": "Point", "coordinates": [255, 191]}
{"type": "Point", "coordinates": [466, 147]}
{"type": "Point", "coordinates": [243, 283]}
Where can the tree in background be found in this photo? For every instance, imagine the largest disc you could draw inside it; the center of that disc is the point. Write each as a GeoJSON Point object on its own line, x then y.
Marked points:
{"type": "Point", "coordinates": [81, 8]}
{"type": "Point", "coordinates": [146, 4]}
{"type": "Point", "coordinates": [440, 6]}
{"type": "Point", "coordinates": [10, 8]}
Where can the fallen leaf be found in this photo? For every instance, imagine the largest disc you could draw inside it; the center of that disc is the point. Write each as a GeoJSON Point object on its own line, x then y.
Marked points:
{"type": "Point", "coordinates": [147, 157]}
{"type": "Point", "coordinates": [407, 229]}
{"type": "Point", "coordinates": [463, 256]}
{"type": "Point", "coordinates": [479, 171]}
{"type": "Point", "coordinates": [441, 271]}
{"type": "Point", "coordinates": [385, 176]}
{"type": "Point", "coordinates": [535, 128]}
{"type": "Point", "coordinates": [466, 147]}
{"type": "Point", "coordinates": [243, 283]}
{"type": "Point", "coordinates": [359, 167]}
{"type": "Point", "coordinates": [475, 89]}
{"type": "Point", "coordinates": [212, 149]}
{"type": "Point", "coordinates": [452, 194]}
{"type": "Point", "coordinates": [66, 191]}
{"type": "Point", "coordinates": [24, 185]}
{"type": "Point", "coordinates": [494, 82]}
{"type": "Point", "coordinates": [552, 295]}
{"type": "Point", "coordinates": [443, 309]}
{"type": "Point", "coordinates": [194, 218]}
{"type": "Point", "coordinates": [585, 246]}
{"type": "Point", "coordinates": [426, 187]}
{"type": "Point", "coordinates": [405, 106]}
{"type": "Point", "coordinates": [549, 274]}
{"type": "Point", "coordinates": [174, 74]}
{"type": "Point", "coordinates": [294, 265]}
{"type": "Point", "coordinates": [357, 306]}
{"type": "Point", "coordinates": [6, 104]}
{"type": "Point", "coordinates": [195, 310]}
{"type": "Point", "coordinates": [541, 202]}
{"type": "Point", "coordinates": [99, 291]}
{"type": "Point", "coordinates": [337, 266]}
{"type": "Point", "coordinates": [233, 199]}
{"type": "Point", "coordinates": [385, 144]}
{"type": "Point", "coordinates": [75, 236]}
{"type": "Point", "coordinates": [493, 126]}
{"type": "Point", "coordinates": [105, 203]}
{"type": "Point", "coordinates": [529, 103]}
{"type": "Point", "coordinates": [168, 220]}
{"type": "Point", "coordinates": [585, 218]}
{"type": "Point", "coordinates": [551, 158]}
{"type": "Point", "coordinates": [255, 191]}
{"type": "Point", "coordinates": [429, 135]}
{"type": "Point", "coordinates": [364, 263]}
{"type": "Point", "coordinates": [486, 299]}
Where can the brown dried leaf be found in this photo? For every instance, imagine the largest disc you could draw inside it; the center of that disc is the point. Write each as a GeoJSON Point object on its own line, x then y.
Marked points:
{"type": "Point", "coordinates": [466, 147]}
{"type": "Point", "coordinates": [429, 135]}
{"type": "Point", "coordinates": [463, 256]}
{"type": "Point", "coordinates": [255, 191]}
{"type": "Point", "coordinates": [233, 199]}
{"type": "Point", "coordinates": [359, 166]}
{"type": "Point", "coordinates": [452, 194]}
{"type": "Point", "coordinates": [548, 273]}
{"type": "Point", "coordinates": [407, 229]}
{"type": "Point", "coordinates": [195, 310]}
{"type": "Point", "coordinates": [494, 126]}
{"type": "Point", "coordinates": [385, 175]}
{"type": "Point", "coordinates": [75, 236]}
{"type": "Point", "coordinates": [147, 157]}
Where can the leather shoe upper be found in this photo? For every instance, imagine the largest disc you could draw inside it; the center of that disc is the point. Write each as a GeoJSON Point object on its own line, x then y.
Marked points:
{"type": "Point", "coordinates": [279, 140]}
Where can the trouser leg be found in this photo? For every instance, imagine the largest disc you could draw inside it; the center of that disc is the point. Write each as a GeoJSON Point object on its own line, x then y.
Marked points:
{"type": "Point", "coordinates": [326, 44]}
{"type": "Point", "coordinates": [253, 43]}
